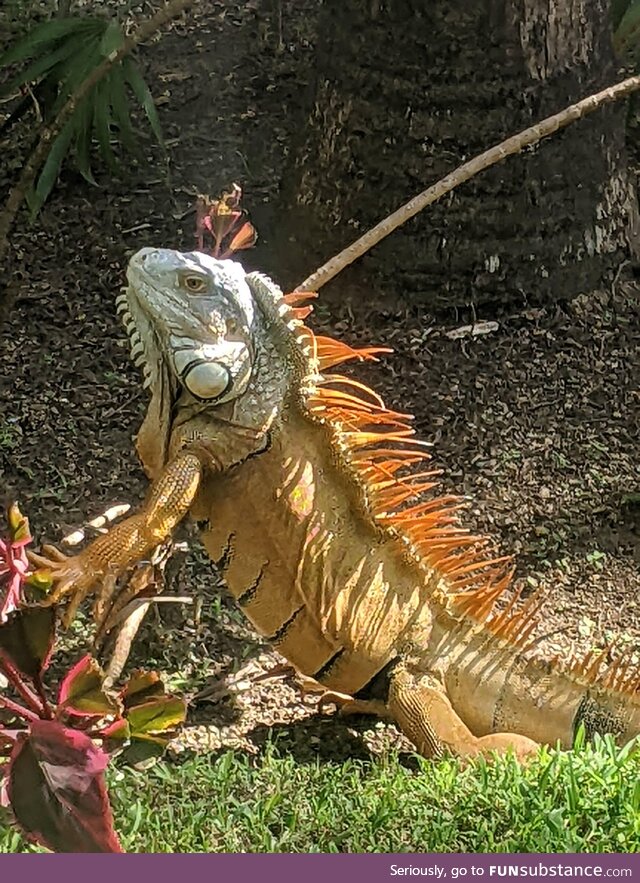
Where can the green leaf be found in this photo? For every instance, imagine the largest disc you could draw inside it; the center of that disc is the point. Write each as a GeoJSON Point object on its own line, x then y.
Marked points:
{"type": "Point", "coordinates": [72, 72]}
{"type": "Point", "coordinates": [618, 9]}
{"type": "Point", "coordinates": [18, 523]}
{"type": "Point", "coordinates": [40, 580]}
{"type": "Point", "coordinates": [49, 32]}
{"type": "Point", "coordinates": [628, 31]}
{"type": "Point", "coordinates": [82, 143]}
{"type": "Point", "coordinates": [112, 39]}
{"type": "Point", "coordinates": [120, 108]}
{"type": "Point", "coordinates": [143, 95]}
{"type": "Point", "coordinates": [65, 54]}
{"type": "Point", "coordinates": [116, 733]}
{"type": "Point", "coordinates": [141, 687]}
{"type": "Point", "coordinates": [102, 123]}
{"type": "Point", "coordinates": [141, 752]}
{"type": "Point", "coordinates": [580, 738]}
{"type": "Point", "coordinates": [51, 168]}
{"type": "Point", "coordinates": [156, 716]}
{"type": "Point", "coordinates": [34, 71]}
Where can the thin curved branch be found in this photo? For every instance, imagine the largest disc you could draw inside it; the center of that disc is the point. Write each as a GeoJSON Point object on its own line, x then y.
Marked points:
{"type": "Point", "coordinates": [463, 173]}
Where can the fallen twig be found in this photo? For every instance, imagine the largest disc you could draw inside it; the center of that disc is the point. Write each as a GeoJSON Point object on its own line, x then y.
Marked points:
{"type": "Point", "coordinates": [133, 615]}
{"type": "Point", "coordinates": [125, 639]}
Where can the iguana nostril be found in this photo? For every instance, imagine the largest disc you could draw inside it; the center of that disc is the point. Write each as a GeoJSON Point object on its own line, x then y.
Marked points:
{"type": "Point", "coordinates": [141, 256]}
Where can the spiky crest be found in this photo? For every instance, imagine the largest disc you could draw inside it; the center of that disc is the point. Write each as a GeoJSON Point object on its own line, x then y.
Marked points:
{"type": "Point", "coordinates": [379, 446]}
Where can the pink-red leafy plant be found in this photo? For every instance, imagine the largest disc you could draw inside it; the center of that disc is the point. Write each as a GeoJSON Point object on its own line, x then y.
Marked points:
{"type": "Point", "coordinates": [222, 227]}
{"type": "Point", "coordinates": [14, 566]}
{"type": "Point", "coordinates": [54, 752]}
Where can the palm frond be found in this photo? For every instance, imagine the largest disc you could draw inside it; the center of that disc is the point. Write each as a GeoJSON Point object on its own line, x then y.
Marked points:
{"type": "Point", "coordinates": [56, 57]}
{"type": "Point", "coordinates": [626, 18]}
{"type": "Point", "coordinates": [51, 168]}
{"type": "Point", "coordinates": [142, 93]}
{"type": "Point", "coordinates": [48, 34]}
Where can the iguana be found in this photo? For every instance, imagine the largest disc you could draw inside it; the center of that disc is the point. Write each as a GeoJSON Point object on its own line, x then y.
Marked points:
{"type": "Point", "coordinates": [312, 498]}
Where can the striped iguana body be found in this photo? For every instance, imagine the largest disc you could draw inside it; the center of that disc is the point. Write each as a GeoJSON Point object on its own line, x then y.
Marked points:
{"type": "Point", "coordinates": [313, 499]}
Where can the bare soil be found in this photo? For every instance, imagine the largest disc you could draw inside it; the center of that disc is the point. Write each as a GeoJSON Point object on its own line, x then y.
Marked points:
{"type": "Point", "coordinates": [536, 422]}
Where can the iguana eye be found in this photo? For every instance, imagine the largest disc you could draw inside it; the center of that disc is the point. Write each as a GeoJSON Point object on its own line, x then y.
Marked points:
{"type": "Point", "coordinates": [194, 283]}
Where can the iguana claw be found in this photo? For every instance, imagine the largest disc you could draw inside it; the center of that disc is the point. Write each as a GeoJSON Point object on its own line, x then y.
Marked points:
{"type": "Point", "coordinates": [69, 577]}
{"type": "Point", "coordinates": [109, 556]}
{"type": "Point", "coordinates": [347, 705]}
{"type": "Point", "coordinates": [54, 555]}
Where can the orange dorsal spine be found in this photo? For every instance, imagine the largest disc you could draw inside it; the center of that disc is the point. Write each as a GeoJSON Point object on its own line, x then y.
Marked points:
{"type": "Point", "coordinates": [376, 444]}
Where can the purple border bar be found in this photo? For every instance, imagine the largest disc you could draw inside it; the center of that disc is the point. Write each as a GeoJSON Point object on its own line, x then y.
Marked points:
{"type": "Point", "coordinates": [298, 868]}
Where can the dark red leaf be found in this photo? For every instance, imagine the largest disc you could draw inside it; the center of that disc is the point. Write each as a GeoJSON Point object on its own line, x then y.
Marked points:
{"type": "Point", "coordinates": [10, 596]}
{"type": "Point", "coordinates": [115, 734]}
{"type": "Point", "coordinates": [57, 791]}
{"type": "Point", "coordinates": [13, 562]}
{"type": "Point", "coordinates": [27, 639]}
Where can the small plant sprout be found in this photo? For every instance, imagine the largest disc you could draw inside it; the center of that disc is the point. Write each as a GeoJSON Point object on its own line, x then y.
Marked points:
{"type": "Point", "coordinates": [222, 227]}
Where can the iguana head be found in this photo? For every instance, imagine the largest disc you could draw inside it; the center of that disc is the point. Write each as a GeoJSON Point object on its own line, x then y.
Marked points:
{"type": "Point", "coordinates": [198, 335]}
{"type": "Point", "coordinates": [197, 312]}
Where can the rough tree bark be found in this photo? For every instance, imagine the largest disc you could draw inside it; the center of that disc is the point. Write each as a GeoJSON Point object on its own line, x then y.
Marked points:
{"type": "Point", "coordinates": [407, 90]}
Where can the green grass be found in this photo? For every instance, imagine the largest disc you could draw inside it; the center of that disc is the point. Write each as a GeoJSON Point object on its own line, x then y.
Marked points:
{"type": "Point", "coordinates": [582, 801]}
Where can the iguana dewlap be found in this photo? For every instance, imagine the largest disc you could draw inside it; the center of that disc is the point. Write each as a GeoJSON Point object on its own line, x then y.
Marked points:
{"type": "Point", "coordinates": [313, 498]}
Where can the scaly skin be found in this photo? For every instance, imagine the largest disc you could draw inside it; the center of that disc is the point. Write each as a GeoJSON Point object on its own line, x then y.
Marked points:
{"type": "Point", "coordinates": [308, 498]}
{"type": "Point", "coordinates": [111, 555]}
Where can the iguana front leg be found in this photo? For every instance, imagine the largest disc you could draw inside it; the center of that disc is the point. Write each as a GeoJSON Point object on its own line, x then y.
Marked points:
{"type": "Point", "coordinates": [425, 715]}
{"type": "Point", "coordinates": [111, 555]}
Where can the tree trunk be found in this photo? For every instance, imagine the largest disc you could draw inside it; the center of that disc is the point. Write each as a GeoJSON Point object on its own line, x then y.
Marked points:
{"type": "Point", "coordinates": [407, 90]}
